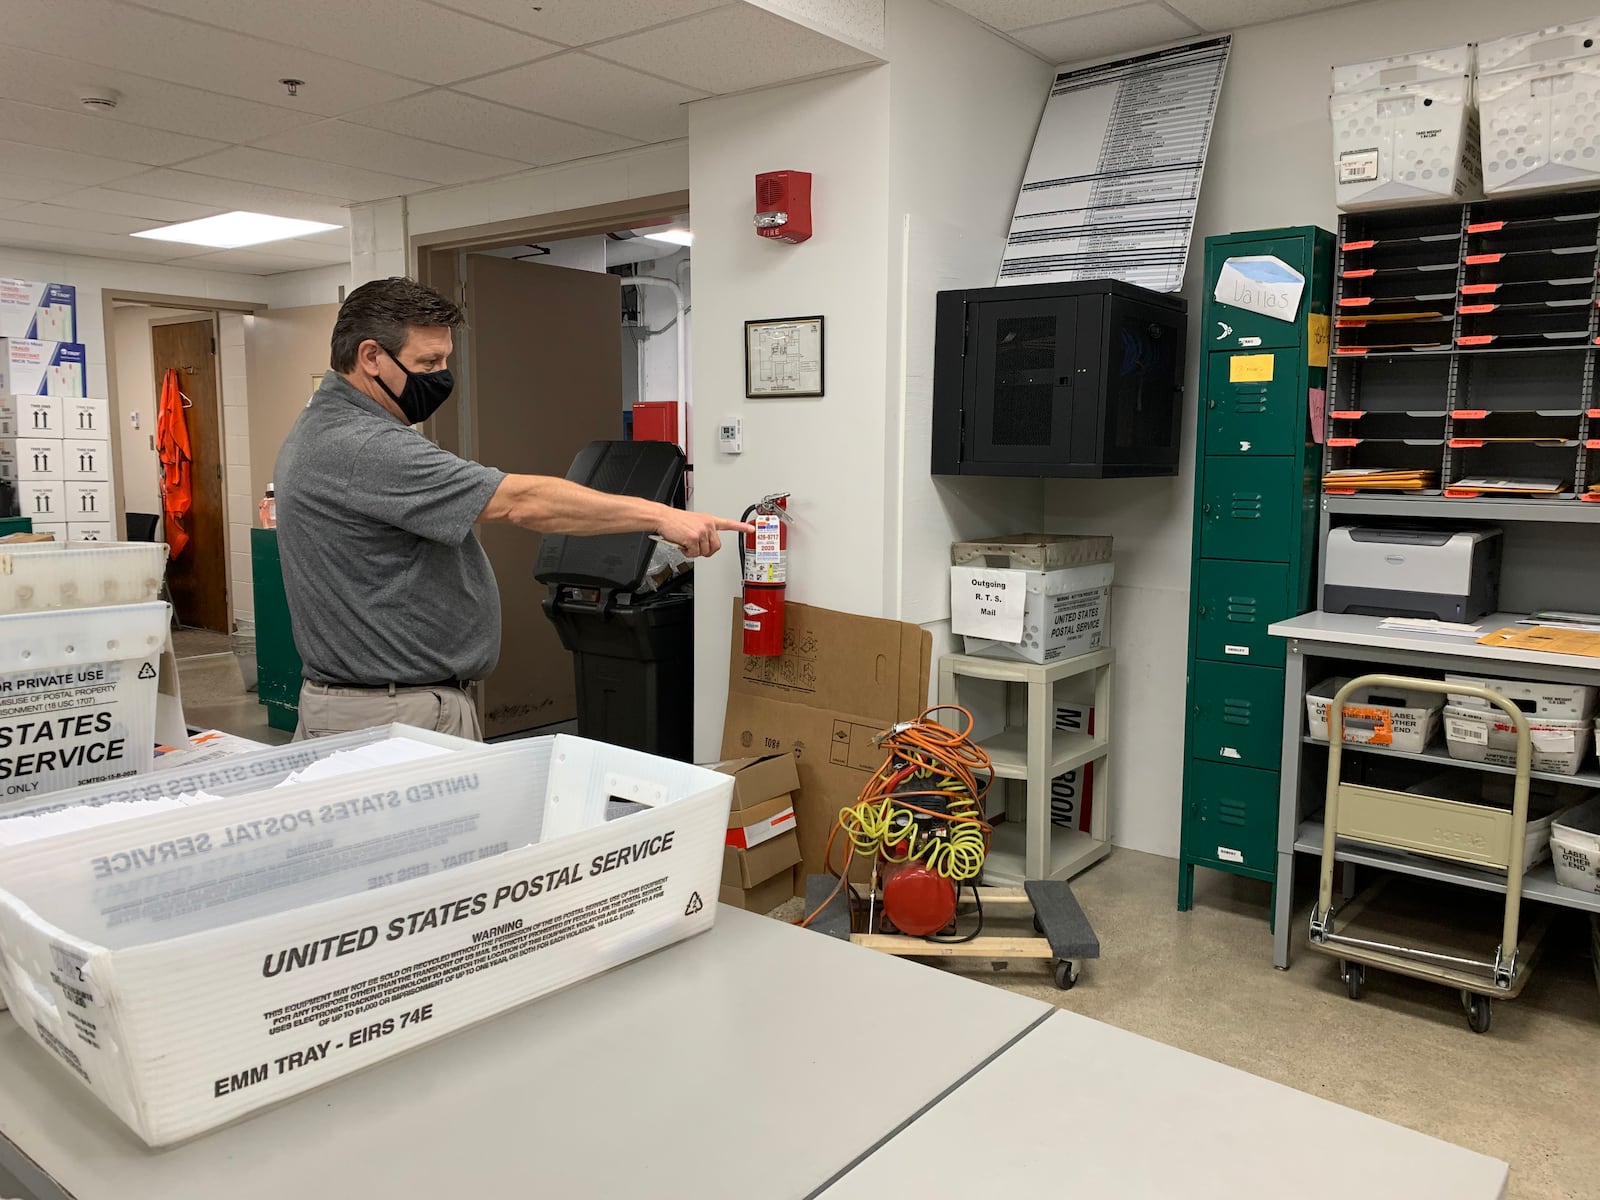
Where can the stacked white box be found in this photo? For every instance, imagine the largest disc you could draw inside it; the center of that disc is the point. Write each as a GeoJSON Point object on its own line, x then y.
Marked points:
{"type": "Point", "coordinates": [33, 368]}
{"type": "Point", "coordinates": [89, 502]}
{"type": "Point", "coordinates": [1405, 130]}
{"type": "Point", "coordinates": [47, 311]}
{"type": "Point", "coordinates": [31, 416]}
{"type": "Point", "coordinates": [31, 460]}
{"type": "Point", "coordinates": [85, 461]}
{"type": "Point", "coordinates": [42, 502]}
{"type": "Point", "coordinates": [86, 417]}
{"type": "Point", "coordinates": [1539, 93]}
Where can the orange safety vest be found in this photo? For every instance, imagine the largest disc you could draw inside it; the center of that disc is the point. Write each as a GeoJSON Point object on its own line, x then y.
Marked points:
{"type": "Point", "coordinates": [172, 443]}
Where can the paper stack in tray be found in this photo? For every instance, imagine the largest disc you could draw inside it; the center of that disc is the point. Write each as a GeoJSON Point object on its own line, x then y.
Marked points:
{"type": "Point", "coordinates": [1399, 479]}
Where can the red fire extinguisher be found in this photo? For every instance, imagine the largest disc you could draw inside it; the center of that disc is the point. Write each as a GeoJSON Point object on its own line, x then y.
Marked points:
{"type": "Point", "coordinates": [764, 556]}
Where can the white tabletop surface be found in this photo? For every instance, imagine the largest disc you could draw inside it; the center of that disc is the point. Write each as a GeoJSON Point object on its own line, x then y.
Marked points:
{"type": "Point", "coordinates": [754, 1060]}
{"type": "Point", "coordinates": [1083, 1110]}
{"type": "Point", "coordinates": [1351, 629]}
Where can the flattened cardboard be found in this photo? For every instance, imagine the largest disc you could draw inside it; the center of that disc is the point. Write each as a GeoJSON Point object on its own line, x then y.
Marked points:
{"type": "Point", "coordinates": [845, 679]}
{"type": "Point", "coordinates": [764, 897]}
{"type": "Point", "coordinates": [747, 868]}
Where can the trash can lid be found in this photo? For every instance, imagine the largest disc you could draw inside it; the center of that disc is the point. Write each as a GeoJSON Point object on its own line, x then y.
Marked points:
{"type": "Point", "coordinates": [615, 561]}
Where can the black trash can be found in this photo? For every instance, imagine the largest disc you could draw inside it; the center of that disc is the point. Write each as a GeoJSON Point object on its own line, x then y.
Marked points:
{"type": "Point", "coordinates": [633, 649]}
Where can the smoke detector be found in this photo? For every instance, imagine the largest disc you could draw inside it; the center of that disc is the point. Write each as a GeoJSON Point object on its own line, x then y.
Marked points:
{"type": "Point", "coordinates": [100, 100]}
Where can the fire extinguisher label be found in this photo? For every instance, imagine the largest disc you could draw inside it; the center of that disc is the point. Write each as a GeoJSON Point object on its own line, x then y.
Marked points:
{"type": "Point", "coordinates": [767, 541]}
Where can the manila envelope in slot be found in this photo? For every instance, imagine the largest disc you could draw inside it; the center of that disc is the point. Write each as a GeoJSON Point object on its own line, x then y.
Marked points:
{"type": "Point", "coordinates": [841, 680]}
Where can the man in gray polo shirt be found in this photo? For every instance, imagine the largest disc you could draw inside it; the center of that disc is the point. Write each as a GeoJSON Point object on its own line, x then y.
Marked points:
{"type": "Point", "coordinates": [394, 604]}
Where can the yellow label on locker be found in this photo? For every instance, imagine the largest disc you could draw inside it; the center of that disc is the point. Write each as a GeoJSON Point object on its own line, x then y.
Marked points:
{"type": "Point", "coordinates": [1317, 339]}
{"type": "Point", "coordinates": [1250, 368]}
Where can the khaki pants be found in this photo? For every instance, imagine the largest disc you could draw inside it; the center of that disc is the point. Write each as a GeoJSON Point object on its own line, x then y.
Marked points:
{"type": "Point", "coordinates": [326, 710]}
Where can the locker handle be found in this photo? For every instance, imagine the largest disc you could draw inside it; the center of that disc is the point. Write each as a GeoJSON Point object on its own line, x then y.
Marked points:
{"type": "Point", "coordinates": [1202, 610]}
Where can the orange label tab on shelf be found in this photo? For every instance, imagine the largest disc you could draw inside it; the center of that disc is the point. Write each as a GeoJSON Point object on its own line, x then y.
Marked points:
{"type": "Point", "coordinates": [1377, 724]}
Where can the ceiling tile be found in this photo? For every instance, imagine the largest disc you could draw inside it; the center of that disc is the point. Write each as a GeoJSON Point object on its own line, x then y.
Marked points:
{"type": "Point", "coordinates": [127, 204]}
{"type": "Point", "coordinates": [408, 37]}
{"type": "Point", "coordinates": [1135, 28]}
{"type": "Point", "coordinates": [20, 187]}
{"type": "Point", "coordinates": [578, 22]}
{"type": "Point", "coordinates": [450, 117]}
{"type": "Point", "coordinates": [248, 165]}
{"type": "Point", "coordinates": [249, 262]}
{"type": "Point", "coordinates": [308, 253]}
{"type": "Point", "coordinates": [576, 87]}
{"type": "Point", "coordinates": [132, 39]}
{"type": "Point", "coordinates": [730, 50]}
{"type": "Point", "coordinates": [379, 150]}
{"type": "Point", "coordinates": [42, 162]}
{"type": "Point", "coordinates": [1218, 15]}
{"type": "Point", "coordinates": [79, 218]}
{"type": "Point", "coordinates": [87, 134]}
{"type": "Point", "coordinates": [231, 194]}
{"type": "Point", "coordinates": [103, 245]}
{"type": "Point", "coordinates": [53, 82]}
{"type": "Point", "coordinates": [1017, 14]}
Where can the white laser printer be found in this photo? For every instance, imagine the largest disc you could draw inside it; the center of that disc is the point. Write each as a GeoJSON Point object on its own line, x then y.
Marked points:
{"type": "Point", "coordinates": [1448, 575]}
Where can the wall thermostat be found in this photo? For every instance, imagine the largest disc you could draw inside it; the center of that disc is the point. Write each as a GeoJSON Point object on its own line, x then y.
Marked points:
{"type": "Point", "coordinates": [730, 436]}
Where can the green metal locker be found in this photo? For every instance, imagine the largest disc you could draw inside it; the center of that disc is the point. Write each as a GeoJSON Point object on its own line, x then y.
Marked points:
{"type": "Point", "coordinates": [278, 663]}
{"type": "Point", "coordinates": [1256, 488]}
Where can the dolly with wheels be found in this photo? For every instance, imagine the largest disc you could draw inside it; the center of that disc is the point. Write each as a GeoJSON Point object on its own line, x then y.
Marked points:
{"type": "Point", "coordinates": [1480, 835]}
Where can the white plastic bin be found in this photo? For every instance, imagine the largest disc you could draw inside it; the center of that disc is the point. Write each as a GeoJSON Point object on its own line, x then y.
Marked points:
{"type": "Point", "coordinates": [1412, 143]}
{"type": "Point", "coordinates": [1478, 735]}
{"type": "Point", "coordinates": [1391, 718]}
{"type": "Point", "coordinates": [194, 966]}
{"type": "Point", "coordinates": [1570, 701]}
{"type": "Point", "coordinates": [1575, 847]}
{"type": "Point", "coordinates": [1067, 613]}
{"type": "Point", "coordinates": [40, 576]}
{"type": "Point", "coordinates": [1539, 46]}
{"type": "Point", "coordinates": [78, 696]}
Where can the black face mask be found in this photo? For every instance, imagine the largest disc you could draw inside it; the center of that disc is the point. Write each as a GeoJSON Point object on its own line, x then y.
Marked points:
{"type": "Point", "coordinates": [423, 393]}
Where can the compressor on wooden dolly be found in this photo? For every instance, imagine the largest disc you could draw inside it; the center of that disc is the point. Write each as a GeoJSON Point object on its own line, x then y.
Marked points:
{"type": "Point", "coordinates": [921, 821]}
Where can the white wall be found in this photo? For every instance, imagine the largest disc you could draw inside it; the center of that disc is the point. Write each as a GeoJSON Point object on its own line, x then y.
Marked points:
{"type": "Point", "coordinates": [297, 289]}
{"type": "Point", "coordinates": [136, 394]}
{"type": "Point", "coordinates": [1269, 166]}
{"type": "Point", "coordinates": [238, 500]}
{"type": "Point", "coordinates": [831, 451]}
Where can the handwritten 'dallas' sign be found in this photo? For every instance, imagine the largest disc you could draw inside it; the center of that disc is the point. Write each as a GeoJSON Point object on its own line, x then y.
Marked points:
{"type": "Point", "coordinates": [988, 603]}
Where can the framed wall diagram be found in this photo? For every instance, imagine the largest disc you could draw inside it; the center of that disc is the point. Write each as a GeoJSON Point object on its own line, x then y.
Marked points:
{"type": "Point", "coordinates": [783, 358]}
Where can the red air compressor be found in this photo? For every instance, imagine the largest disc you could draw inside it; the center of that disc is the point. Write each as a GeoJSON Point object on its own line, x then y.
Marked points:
{"type": "Point", "coordinates": [764, 557]}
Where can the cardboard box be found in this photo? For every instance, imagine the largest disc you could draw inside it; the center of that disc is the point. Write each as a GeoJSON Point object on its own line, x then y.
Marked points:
{"type": "Point", "coordinates": [91, 531]}
{"type": "Point", "coordinates": [86, 418]}
{"type": "Point", "coordinates": [746, 868]}
{"type": "Point", "coordinates": [841, 680]}
{"type": "Point", "coordinates": [31, 416]}
{"type": "Point", "coordinates": [764, 897]}
{"type": "Point", "coordinates": [1063, 613]}
{"type": "Point", "coordinates": [43, 502]}
{"type": "Point", "coordinates": [758, 780]}
{"type": "Point", "coordinates": [750, 827]}
{"type": "Point", "coordinates": [38, 310]}
{"type": "Point", "coordinates": [193, 966]}
{"type": "Point", "coordinates": [90, 502]}
{"type": "Point", "coordinates": [35, 368]}
{"type": "Point", "coordinates": [85, 461]}
{"type": "Point", "coordinates": [31, 460]}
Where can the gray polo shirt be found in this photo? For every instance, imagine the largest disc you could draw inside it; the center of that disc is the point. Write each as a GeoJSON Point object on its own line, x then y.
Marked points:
{"type": "Point", "coordinates": [385, 580]}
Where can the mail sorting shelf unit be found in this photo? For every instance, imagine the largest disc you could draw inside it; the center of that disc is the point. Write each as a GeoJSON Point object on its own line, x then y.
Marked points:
{"type": "Point", "coordinates": [1464, 345]}
{"type": "Point", "coordinates": [1030, 749]}
{"type": "Point", "coordinates": [1466, 373]}
{"type": "Point", "coordinates": [1254, 548]}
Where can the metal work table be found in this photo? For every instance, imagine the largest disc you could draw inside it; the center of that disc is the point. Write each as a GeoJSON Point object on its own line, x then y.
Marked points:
{"type": "Point", "coordinates": [730, 1065]}
{"type": "Point", "coordinates": [1346, 638]}
{"type": "Point", "coordinates": [1095, 1113]}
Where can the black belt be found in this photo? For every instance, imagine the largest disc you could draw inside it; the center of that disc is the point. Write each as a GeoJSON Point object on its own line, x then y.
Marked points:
{"type": "Point", "coordinates": [459, 685]}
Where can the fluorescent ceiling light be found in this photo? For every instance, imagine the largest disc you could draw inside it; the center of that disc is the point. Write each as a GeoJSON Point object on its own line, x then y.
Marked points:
{"type": "Point", "coordinates": [673, 237]}
{"type": "Point", "coordinates": [229, 231]}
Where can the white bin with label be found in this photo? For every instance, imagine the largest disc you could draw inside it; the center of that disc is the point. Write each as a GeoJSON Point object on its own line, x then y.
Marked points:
{"type": "Point", "coordinates": [1476, 735]}
{"type": "Point", "coordinates": [1575, 847]}
{"type": "Point", "coordinates": [196, 965]}
{"type": "Point", "coordinates": [1390, 718]}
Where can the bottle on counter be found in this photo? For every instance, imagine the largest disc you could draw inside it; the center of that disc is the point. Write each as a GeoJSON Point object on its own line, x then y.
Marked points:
{"type": "Point", "coordinates": [269, 508]}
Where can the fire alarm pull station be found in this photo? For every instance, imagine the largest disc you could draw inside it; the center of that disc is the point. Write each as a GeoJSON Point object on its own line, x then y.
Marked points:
{"type": "Point", "coordinates": [783, 205]}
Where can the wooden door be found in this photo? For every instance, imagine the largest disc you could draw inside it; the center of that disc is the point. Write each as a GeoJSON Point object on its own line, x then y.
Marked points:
{"type": "Point", "coordinates": [546, 380]}
{"type": "Point", "coordinates": [198, 578]}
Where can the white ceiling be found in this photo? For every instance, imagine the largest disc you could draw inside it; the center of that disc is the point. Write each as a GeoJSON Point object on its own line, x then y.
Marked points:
{"type": "Point", "coordinates": [1067, 31]}
{"type": "Point", "coordinates": [405, 95]}
{"type": "Point", "coordinates": [400, 96]}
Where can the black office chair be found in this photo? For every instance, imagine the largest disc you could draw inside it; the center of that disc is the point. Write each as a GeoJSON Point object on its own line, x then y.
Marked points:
{"type": "Point", "coordinates": [142, 526]}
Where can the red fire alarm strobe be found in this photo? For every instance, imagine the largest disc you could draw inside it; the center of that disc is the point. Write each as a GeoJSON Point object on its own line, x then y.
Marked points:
{"type": "Point", "coordinates": [783, 205]}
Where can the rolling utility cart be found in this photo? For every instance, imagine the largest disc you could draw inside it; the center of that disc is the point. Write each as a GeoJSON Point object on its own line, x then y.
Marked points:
{"type": "Point", "coordinates": [1479, 835]}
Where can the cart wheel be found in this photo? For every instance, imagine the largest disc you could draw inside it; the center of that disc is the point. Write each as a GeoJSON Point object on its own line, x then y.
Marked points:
{"type": "Point", "coordinates": [1066, 974]}
{"type": "Point", "coordinates": [1355, 978]}
{"type": "Point", "coordinates": [1480, 1010]}
{"type": "Point", "coordinates": [1038, 925]}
